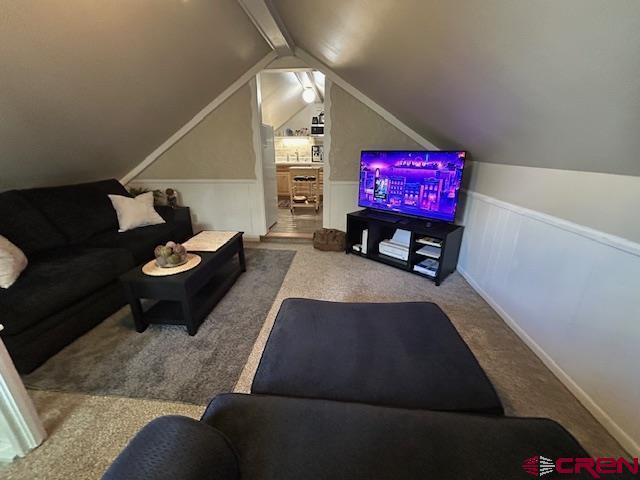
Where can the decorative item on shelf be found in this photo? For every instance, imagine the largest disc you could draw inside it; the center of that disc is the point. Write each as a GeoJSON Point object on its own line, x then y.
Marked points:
{"type": "Point", "coordinates": [172, 197]}
{"type": "Point", "coordinates": [315, 120]}
{"type": "Point", "coordinates": [321, 118]}
{"type": "Point", "coordinates": [317, 152]}
{"type": "Point", "coordinates": [170, 255]}
{"type": "Point", "coordinates": [158, 196]}
{"type": "Point", "coordinates": [288, 132]}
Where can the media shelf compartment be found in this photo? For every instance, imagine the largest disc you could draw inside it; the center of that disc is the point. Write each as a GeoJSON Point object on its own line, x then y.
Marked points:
{"type": "Point", "coordinates": [394, 262]}
{"type": "Point", "coordinates": [383, 228]}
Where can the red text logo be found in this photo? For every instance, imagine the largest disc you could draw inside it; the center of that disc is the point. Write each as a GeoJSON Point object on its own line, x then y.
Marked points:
{"type": "Point", "coordinates": [539, 466]}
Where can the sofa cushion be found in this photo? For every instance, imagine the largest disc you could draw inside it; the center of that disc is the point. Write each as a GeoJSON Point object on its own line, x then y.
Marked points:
{"type": "Point", "coordinates": [78, 211]}
{"type": "Point", "coordinates": [397, 354]}
{"type": "Point", "coordinates": [56, 279]}
{"type": "Point", "coordinates": [291, 439]}
{"type": "Point", "coordinates": [175, 447]}
{"type": "Point", "coordinates": [26, 226]}
{"type": "Point", "coordinates": [135, 212]}
{"type": "Point", "coordinates": [139, 241]}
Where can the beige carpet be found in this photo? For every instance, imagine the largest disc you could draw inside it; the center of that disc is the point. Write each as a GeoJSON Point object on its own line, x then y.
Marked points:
{"type": "Point", "coordinates": [87, 432]}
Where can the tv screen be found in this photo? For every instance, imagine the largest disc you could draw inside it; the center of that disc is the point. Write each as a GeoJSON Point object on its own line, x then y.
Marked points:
{"type": "Point", "coordinates": [418, 183]}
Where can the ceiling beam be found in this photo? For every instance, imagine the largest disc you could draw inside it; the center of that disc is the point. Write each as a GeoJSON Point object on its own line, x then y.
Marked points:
{"type": "Point", "coordinates": [266, 19]}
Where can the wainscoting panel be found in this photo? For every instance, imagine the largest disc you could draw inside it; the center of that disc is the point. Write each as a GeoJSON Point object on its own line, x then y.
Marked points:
{"type": "Point", "coordinates": [571, 293]}
{"type": "Point", "coordinates": [340, 199]}
{"type": "Point", "coordinates": [218, 204]}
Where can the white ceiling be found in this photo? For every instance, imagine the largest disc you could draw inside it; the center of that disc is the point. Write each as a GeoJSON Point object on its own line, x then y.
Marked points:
{"type": "Point", "coordinates": [281, 94]}
{"type": "Point", "coordinates": [544, 83]}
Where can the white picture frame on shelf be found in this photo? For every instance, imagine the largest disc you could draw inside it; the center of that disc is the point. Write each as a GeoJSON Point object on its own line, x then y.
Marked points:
{"type": "Point", "coordinates": [317, 153]}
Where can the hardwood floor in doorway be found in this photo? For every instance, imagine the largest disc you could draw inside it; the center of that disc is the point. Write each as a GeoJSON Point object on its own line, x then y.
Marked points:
{"type": "Point", "coordinates": [300, 224]}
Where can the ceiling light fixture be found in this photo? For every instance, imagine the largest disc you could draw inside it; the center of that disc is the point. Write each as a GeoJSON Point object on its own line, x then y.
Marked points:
{"type": "Point", "coordinates": [308, 95]}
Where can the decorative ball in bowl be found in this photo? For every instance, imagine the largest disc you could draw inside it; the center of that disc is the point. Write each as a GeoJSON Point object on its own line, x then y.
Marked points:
{"type": "Point", "coordinates": [170, 255]}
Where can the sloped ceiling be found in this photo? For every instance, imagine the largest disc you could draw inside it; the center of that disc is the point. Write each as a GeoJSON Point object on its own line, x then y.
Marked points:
{"type": "Point", "coordinates": [281, 94]}
{"type": "Point", "coordinates": [542, 83]}
{"type": "Point", "coordinates": [88, 88]}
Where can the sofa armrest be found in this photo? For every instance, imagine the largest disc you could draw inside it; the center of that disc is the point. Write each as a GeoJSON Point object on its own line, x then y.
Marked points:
{"type": "Point", "coordinates": [179, 215]}
{"type": "Point", "coordinates": [174, 447]}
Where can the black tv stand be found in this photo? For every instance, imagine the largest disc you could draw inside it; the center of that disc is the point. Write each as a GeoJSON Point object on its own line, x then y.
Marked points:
{"type": "Point", "coordinates": [386, 217]}
{"type": "Point", "coordinates": [381, 226]}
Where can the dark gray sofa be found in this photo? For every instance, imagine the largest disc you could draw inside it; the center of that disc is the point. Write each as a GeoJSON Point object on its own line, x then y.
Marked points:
{"type": "Point", "coordinates": [280, 438]}
{"type": "Point", "coordinates": [76, 254]}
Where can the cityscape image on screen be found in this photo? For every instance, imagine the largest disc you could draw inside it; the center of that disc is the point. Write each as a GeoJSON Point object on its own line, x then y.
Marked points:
{"type": "Point", "coordinates": [418, 183]}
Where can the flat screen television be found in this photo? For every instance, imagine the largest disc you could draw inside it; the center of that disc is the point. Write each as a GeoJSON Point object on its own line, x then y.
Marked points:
{"type": "Point", "coordinates": [416, 183]}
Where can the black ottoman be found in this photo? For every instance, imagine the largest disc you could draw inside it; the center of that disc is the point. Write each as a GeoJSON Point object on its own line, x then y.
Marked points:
{"type": "Point", "coordinates": [406, 355]}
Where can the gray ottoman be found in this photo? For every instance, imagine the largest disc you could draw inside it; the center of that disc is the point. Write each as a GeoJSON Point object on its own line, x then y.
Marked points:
{"type": "Point", "coordinates": [406, 355]}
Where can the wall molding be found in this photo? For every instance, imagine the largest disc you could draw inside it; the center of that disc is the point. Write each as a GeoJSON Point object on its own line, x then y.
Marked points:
{"type": "Point", "coordinates": [384, 113]}
{"type": "Point", "coordinates": [344, 199]}
{"type": "Point", "coordinates": [327, 222]}
{"type": "Point", "coordinates": [596, 235]}
{"type": "Point", "coordinates": [199, 117]}
{"type": "Point", "coordinates": [499, 287]}
{"type": "Point", "coordinates": [585, 399]}
{"type": "Point", "coordinates": [218, 204]}
{"type": "Point", "coordinates": [256, 127]}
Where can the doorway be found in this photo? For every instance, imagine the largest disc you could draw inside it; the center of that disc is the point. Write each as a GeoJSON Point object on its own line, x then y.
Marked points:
{"type": "Point", "coordinates": [292, 107]}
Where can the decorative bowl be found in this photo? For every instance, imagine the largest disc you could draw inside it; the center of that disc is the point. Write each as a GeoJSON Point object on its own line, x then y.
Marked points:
{"type": "Point", "coordinates": [170, 255]}
{"type": "Point", "coordinates": [172, 265]}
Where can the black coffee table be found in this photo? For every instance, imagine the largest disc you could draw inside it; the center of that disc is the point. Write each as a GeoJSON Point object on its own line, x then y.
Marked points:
{"type": "Point", "coordinates": [185, 298]}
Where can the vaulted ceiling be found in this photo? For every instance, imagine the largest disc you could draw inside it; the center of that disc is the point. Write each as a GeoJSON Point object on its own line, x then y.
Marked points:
{"type": "Point", "coordinates": [543, 83]}
{"type": "Point", "coordinates": [89, 88]}
{"type": "Point", "coordinates": [281, 94]}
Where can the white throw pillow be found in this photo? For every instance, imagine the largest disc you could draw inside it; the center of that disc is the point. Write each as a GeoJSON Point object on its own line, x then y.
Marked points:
{"type": "Point", "coordinates": [135, 212]}
{"type": "Point", "coordinates": [12, 262]}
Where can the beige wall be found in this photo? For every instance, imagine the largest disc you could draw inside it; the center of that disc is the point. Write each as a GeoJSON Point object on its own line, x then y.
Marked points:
{"type": "Point", "coordinates": [601, 201]}
{"type": "Point", "coordinates": [355, 127]}
{"type": "Point", "coordinates": [220, 147]}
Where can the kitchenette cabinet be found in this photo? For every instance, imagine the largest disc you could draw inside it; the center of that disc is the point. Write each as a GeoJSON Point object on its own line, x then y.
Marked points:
{"type": "Point", "coordinates": [282, 176]}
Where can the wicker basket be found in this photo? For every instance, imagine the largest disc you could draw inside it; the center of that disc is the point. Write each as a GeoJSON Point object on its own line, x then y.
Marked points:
{"type": "Point", "coordinates": [329, 240]}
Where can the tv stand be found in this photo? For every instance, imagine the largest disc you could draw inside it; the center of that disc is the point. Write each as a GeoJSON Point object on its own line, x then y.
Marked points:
{"type": "Point", "coordinates": [386, 217]}
{"type": "Point", "coordinates": [381, 226]}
